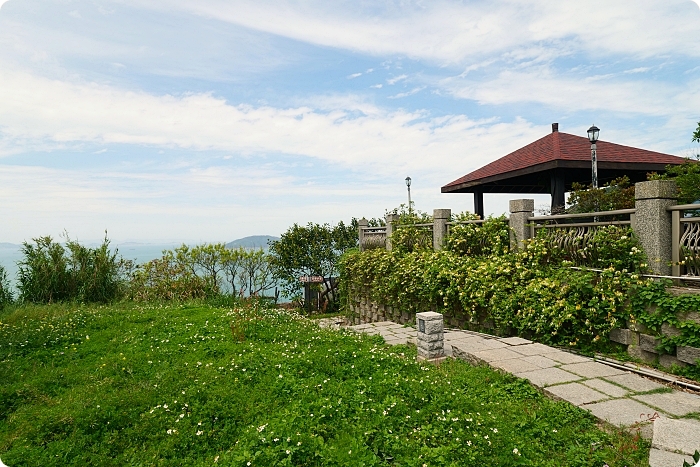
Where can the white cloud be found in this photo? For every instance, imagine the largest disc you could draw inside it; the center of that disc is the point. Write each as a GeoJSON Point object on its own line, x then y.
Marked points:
{"type": "Point", "coordinates": [38, 112]}
{"type": "Point", "coordinates": [569, 92]}
{"type": "Point", "coordinates": [354, 75]}
{"type": "Point", "coordinates": [447, 31]}
{"type": "Point", "coordinates": [413, 91]}
{"type": "Point", "coordinates": [392, 81]}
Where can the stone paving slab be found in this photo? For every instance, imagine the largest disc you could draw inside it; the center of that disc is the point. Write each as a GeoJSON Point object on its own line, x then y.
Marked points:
{"type": "Point", "coordinates": [658, 458]}
{"type": "Point", "coordinates": [515, 365]}
{"type": "Point", "coordinates": [625, 412]}
{"type": "Point", "coordinates": [676, 435]}
{"type": "Point", "coordinates": [576, 393]}
{"type": "Point", "coordinates": [565, 357]}
{"type": "Point", "coordinates": [676, 403]}
{"type": "Point", "coordinates": [548, 376]}
{"type": "Point", "coordinates": [591, 369]}
{"type": "Point", "coordinates": [493, 355]}
{"type": "Point", "coordinates": [494, 344]}
{"type": "Point", "coordinates": [532, 349]}
{"type": "Point", "coordinates": [606, 388]}
{"type": "Point", "coordinates": [471, 347]}
{"type": "Point", "coordinates": [540, 361]}
{"type": "Point", "coordinates": [515, 341]}
{"type": "Point", "coordinates": [634, 382]}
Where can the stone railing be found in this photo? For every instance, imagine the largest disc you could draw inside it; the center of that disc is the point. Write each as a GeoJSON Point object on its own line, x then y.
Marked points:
{"type": "Point", "coordinates": [685, 235]}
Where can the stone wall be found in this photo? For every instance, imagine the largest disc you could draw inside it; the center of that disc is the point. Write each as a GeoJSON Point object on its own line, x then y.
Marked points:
{"type": "Point", "coordinates": [364, 310]}
{"type": "Point", "coordinates": [642, 342]}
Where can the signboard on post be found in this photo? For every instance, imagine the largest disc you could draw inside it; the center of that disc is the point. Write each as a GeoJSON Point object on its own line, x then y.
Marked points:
{"type": "Point", "coordinates": [311, 279]}
{"type": "Point", "coordinates": [308, 280]}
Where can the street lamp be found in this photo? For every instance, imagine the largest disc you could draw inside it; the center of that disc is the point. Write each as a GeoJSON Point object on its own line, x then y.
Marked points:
{"type": "Point", "coordinates": [408, 185]}
{"type": "Point", "coordinates": [593, 133]}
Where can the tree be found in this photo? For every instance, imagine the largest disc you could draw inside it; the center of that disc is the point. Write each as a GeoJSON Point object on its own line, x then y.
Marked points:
{"type": "Point", "coordinates": [617, 194]}
{"type": "Point", "coordinates": [311, 250]}
{"type": "Point", "coordinates": [696, 134]}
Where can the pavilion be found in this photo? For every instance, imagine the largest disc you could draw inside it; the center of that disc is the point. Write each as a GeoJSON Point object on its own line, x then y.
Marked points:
{"type": "Point", "coordinates": [551, 164]}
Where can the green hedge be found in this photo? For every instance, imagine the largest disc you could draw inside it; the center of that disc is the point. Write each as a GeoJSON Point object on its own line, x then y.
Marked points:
{"type": "Point", "coordinates": [533, 292]}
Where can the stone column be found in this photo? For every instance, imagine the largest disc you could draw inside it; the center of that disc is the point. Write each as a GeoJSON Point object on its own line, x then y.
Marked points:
{"type": "Point", "coordinates": [431, 337]}
{"type": "Point", "coordinates": [653, 222]}
{"type": "Point", "coordinates": [440, 219]}
{"type": "Point", "coordinates": [361, 233]}
{"type": "Point", "coordinates": [520, 210]}
{"type": "Point", "coordinates": [390, 219]}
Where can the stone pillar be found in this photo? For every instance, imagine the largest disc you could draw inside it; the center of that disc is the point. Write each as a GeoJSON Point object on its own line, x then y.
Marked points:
{"type": "Point", "coordinates": [440, 219]}
{"type": "Point", "coordinates": [431, 337]}
{"type": "Point", "coordinates": [390, 219]}
{"type": "Point", "coordinates": [520, 210]}
{"type": "Point", "coordinates": [361, 233]}
{"type": "Point", "coordinates": [653, 222]}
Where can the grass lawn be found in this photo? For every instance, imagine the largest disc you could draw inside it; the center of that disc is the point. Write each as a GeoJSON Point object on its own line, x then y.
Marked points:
{"type": "Point", "coordinates": [193, 385]}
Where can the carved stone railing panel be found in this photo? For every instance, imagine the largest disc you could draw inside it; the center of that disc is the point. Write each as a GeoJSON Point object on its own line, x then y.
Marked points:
{"type": "Point", "coordinates": [690, 246]}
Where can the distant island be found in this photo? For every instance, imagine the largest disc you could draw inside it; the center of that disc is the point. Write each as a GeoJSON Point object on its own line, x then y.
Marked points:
{"type": "Point", "coordinates": [254, 241]}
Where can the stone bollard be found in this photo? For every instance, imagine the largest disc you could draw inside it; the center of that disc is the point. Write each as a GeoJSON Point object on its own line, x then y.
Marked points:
{"type": "Point", "coordinates": [431, 337]}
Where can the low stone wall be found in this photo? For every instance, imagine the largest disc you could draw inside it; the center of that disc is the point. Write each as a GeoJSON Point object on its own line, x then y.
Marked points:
{"type": "Point", "coordinates": [642, 342]}
{"type": "Point", "coordinates": [365, 310]}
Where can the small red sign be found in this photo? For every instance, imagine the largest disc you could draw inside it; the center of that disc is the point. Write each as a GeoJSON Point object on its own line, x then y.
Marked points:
{"type": "Point", "coordinates": [314, 279]}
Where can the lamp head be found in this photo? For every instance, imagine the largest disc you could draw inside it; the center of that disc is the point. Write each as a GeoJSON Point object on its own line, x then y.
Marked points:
{"type": "Point", "coordinates": [408, 181]}
{"type": "Point", "coordinates": [593, 133]}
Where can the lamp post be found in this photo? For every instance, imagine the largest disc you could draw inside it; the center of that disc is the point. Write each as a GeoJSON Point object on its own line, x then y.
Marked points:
{"type": "Point", "coordinates": [593, 133]}
{"type": "Point", "coordinates": [408, 185]}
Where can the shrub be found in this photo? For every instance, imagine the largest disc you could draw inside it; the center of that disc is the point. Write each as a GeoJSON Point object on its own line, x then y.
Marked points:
{"type": "Point", "coordinates": [6, 295]}
{"type": "Point", "coordinates": [50, 272]}
{"type": "Point", "coordinates": [169, 278]}
{"type": "Point", "coordinates": [408, 235]}
{"type": "Point", "coordinates": [528, 292]}
{"type": "Point", "coordinates": [491, 237]}
{"type": "Point", "coordinates": [616, 194]}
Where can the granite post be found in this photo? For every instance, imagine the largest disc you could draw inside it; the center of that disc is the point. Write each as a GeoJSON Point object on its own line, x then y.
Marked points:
{"type": "Point", "coordinates": [390, 219]}
{"type": "Point", "coordinates": [360, 231]}
{"type": "Point", "coordinates": [440, 219]}
{"type": "Point", "coordinates": [653, 222]}
{"type": "Point", "coordinates": [520, 210]}
{"type": "Point", "coordinates": [431, 337]}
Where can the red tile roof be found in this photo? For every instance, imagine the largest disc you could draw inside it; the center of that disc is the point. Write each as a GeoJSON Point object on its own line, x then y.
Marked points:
{"type": "Point", "coordinates": [566, 147]}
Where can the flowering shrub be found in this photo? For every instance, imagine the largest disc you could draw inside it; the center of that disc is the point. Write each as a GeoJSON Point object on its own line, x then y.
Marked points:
{"type": "Point", "coordinates": [491, 237]}
{"type": "Point", "coordinates": [529, 292]}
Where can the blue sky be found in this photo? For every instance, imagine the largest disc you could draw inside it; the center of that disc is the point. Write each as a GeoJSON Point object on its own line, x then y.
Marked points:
{"type": "Point", "coordinates": [213, 120]}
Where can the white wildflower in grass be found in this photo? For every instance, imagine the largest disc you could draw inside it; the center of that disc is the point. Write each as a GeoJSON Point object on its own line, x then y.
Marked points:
{"type": "Point", "coordinates": [516, 452]}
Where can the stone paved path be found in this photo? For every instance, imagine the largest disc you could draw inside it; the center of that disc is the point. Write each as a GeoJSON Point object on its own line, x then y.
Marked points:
{"type": "Point", "coordinates": [616, 396]}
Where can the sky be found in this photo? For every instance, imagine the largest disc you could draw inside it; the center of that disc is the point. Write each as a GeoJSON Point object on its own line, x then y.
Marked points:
{"type": "Point", "coordinates": [210, 120]}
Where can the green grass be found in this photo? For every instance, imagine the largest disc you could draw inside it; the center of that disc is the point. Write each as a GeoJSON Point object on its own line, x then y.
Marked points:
{"type": "Point", "coordinates": [196, 385]}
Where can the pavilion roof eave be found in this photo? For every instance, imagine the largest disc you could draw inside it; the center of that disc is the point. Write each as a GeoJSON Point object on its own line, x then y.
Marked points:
{"type": "Point", "coordinates": [472, 185]}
